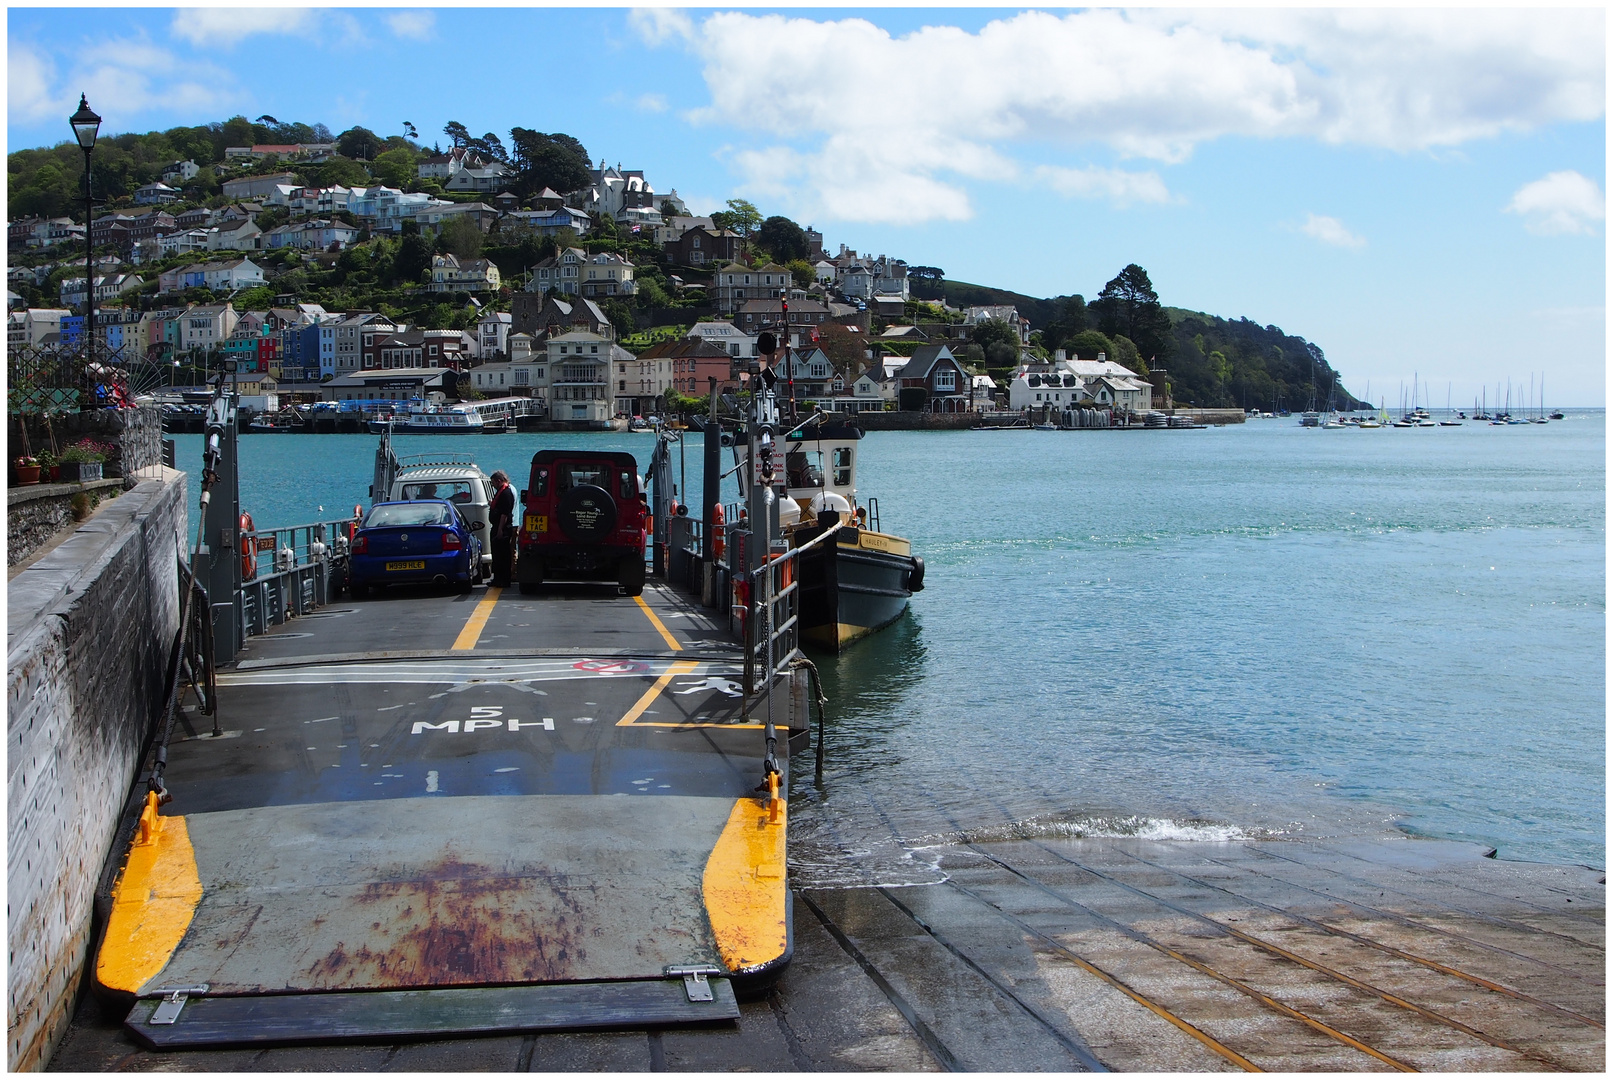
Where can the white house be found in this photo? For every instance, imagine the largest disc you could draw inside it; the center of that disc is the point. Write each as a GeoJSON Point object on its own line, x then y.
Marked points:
{"type": "Point", "coordinates": [1065, 383]}
{"type": "Point", "coordinates": [492, 335]}
{"type": "Point", "coordinates": [726, 334]}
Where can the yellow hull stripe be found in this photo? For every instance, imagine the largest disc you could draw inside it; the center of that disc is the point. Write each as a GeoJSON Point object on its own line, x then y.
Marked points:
{"type": "Point", "coordinates": [671, 642]}
{"type": "Point", "coordinates": [478, 619]}
{"type": "Point", "coordinates": [152, 907]}
{"type": "Point", "coordinates": [744, 886]}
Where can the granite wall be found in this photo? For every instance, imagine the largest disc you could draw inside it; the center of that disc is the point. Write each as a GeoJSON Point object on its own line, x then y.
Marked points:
{"type": "Point", "coordinates": [89, 630]}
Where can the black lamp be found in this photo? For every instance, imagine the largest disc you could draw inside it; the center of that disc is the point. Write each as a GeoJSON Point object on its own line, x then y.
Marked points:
{"type": "Point", "coordinates": [86, 125]}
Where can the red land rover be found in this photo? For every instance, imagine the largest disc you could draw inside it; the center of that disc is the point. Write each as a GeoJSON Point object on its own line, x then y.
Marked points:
{"type": "Point", "coordinates": [582, 520]}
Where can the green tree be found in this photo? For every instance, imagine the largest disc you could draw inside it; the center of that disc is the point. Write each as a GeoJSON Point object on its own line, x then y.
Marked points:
{"type": "Point", "coordinates": [412, 259]}
{"type": "Point", "coordinates": [621, 316]}
{"type": "Point", "coordinates": [993, 332]}
{"type": "Point", "coordinates": [394, 168]}
{"type": "Point", "coordinates": [341, 170]}
{"type": "Point", "coordinates": [741, 216]}
{"type": "Point", "coordinates": [802, 272]}
{"type": "Point", "coordinates": [1127, 355]}
{"type": "Point", "coordinates": [1129, 306]}
{"type": "Point", "coordinates": [1087, 344]}
{"type": "Point", "coordinates": [359, 143]}
{"type": "Point", "coordinates": [782, 238]}
{"type": "Point", "coordinates": [457, 133]}
{"type": "Point", "coordinates": [541, 161]}
{"type": "Point", "coordinates": [461, 237]}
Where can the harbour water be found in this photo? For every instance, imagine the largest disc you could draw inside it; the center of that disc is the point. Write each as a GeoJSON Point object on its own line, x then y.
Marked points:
{"type": "Point", "coordinates": [1259, 630]}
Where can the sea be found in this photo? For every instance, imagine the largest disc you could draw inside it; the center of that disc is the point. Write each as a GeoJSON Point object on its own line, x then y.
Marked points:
{"type": "Point", "coordinates": [1252, 631]}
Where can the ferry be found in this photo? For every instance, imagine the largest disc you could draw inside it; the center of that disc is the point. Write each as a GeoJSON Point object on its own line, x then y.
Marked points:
{"type": "Point", "coordinates": [860, 583]}
{"type": "Point", "coordinates": [466, 418]}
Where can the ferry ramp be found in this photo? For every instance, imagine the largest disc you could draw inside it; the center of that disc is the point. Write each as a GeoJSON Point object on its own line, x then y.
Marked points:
{"type": "Point", "coordinates": [448, 815]}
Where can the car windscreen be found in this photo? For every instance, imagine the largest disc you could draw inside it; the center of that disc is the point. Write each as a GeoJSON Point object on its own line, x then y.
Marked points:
{"type": "Point", "coordinates": [408, 514]}
{"type": "Point", "coordinates": [458, 490]}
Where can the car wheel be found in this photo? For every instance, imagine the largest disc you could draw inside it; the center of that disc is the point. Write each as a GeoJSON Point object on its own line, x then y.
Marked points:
{"type": "Point", "coordinates": [464, 586]}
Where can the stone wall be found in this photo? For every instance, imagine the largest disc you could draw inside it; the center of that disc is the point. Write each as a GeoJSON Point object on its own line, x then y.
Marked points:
{"type": "Point", "coordinates": [89, 629]}
{"type": "Point", "coordinates": [37, 512]}
{"type": "Point", "coordinates": [917, 421]}
{"type": "Point", "coordinates": [136, 433]}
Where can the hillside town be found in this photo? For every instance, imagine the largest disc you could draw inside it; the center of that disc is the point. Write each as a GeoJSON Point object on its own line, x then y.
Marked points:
{"type": "Point", "coordinates": [184, 285]}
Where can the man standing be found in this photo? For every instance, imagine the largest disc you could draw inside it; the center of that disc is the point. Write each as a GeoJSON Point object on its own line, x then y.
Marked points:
{"type": "Point", "coordinates": [502, 513]}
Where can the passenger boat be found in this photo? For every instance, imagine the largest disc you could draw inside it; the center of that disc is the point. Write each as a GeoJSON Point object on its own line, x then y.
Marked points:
{"type": "Point", "coordinates": [862, 581]}
{"type": "Point", "coordinates": [424, 418]}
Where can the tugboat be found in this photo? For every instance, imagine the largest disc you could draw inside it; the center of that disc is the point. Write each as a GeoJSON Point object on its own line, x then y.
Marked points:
{"type": "Point", "coordinates": [861, 582]}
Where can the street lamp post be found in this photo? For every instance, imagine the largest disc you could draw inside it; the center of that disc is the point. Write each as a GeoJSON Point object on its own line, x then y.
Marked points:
{"type": "Point", "coordinates": [86, 125]}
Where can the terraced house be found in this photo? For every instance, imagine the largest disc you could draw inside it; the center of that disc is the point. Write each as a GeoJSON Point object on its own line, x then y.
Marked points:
{"type": "Point", "coordinates": [449, 274]}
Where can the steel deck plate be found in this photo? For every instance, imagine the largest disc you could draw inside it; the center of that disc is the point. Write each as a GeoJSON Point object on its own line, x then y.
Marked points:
{"type": "Point", "coordinates": [335, 1017]}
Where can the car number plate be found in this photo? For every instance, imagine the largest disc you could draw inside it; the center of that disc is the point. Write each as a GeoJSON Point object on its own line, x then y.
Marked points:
{"type": "Point", "coordinates": [412, 564]}
{"type": "Point", "coordinates": [536, 523]}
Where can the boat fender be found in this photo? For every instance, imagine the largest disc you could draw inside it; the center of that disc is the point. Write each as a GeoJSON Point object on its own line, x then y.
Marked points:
{"type": "Point", "coordinates": [830, 500]}
{"type": "Point", "coordinates": [249, 548]}
{"type": "Point", "coordinates": [718, 521]}
{"type": "Point", "coordinates": [915, 576]}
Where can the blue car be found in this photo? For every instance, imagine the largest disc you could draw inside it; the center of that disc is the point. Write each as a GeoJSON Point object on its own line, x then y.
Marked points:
{"type": "Point", "coordinates": [424, 541]}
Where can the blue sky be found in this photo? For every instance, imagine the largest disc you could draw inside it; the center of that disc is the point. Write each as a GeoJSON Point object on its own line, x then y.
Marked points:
{"type": "Point", "coordinates": [1415, 192]}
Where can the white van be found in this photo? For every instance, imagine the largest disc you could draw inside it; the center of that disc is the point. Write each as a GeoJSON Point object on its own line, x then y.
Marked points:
{"type": "Point", "coordinates": [456, 479]}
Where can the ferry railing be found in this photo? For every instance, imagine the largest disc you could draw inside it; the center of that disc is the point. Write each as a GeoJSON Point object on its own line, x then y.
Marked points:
{"type": "Point", "coordinates": [288, 572]}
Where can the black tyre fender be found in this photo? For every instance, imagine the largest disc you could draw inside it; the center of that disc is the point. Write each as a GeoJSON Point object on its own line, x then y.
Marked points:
{"type": "Point", "coordinates": [630, 575]}
{"type": "Point", "coordinates": [915, 576]}
{"type": "Point", "coordinates": [587, 514]}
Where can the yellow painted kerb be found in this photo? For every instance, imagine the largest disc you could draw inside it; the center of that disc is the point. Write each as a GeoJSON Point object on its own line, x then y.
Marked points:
{"type": "Point", "coordinates": [152, 907]}
{"type": "Point", "coordinates": [744, 886]}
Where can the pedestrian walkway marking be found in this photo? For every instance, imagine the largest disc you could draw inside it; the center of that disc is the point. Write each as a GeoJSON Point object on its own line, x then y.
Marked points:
{"type": "Point", "coordinates": [672, 642]}
{"type": "Point", "coordinates": [478, 619]}
{"type": "Point", "coordinates": [682, 667]}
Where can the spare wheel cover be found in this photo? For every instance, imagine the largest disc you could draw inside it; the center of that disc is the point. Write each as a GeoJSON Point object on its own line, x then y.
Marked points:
{"type": "Point", "coordinates": [587, 514]}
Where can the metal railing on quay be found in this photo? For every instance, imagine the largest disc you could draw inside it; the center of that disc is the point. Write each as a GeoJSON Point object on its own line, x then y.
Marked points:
{"type": "Point", "coordinates": [289, 571]}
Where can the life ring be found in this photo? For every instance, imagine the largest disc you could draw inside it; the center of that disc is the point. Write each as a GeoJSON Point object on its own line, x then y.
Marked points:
{"type": "Point", "coordinates": [718, 520]}
{"type": "Point", "coordinates": [249, 548]}
{"type": "Point", "coordinates": [352, 526]}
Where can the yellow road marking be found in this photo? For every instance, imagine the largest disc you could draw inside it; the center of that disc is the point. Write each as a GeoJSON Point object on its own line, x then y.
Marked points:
{"type": "Point", "coordinates": [478, 619]}
{"type": "Point", "coordinates": [152, 907]}
{"type": "Point", "coordinates": [743, 886]}
{"type": "Point", "coordinates": [672, 642]}
{"type": "Point", "coordinates": [680, 667]}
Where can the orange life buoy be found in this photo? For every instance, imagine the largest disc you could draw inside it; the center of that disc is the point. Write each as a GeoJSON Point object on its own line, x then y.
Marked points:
{"type": "Point", "coordinates": [718, 519]}
{"type": "Point", "coordinates": [249, 548]}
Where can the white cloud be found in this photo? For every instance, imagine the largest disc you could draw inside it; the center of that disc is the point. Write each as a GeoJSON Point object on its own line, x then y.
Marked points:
{"type": "Point", "coordinates": [657, 26]}
{"type": "Point", "coordinates": [885, 128]}
{"type": "Point", "coordinates": [120, 78]}
{"type": "Point", "coordinates": [29, 78]}
{"type": "Point", "coordinates": [222, 27]}
{"type": "Point", "coordinates": [1118, 186]}
{"type": "Point", "coordinates": [1330, 230]}
{"type": "Point", "coordinates": [1560, 203]}
{"type": "Point", "coordinates": [412, 24]}
{"type": "Point", "coordinates": [652, 103]}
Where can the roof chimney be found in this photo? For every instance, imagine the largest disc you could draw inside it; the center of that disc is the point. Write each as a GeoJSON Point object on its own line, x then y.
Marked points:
{"type": "Point", "coordinates": [1058, 356]}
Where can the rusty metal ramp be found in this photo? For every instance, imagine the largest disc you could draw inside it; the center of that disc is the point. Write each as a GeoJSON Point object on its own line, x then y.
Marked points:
{"type": "Point", "coordinates": [459, 841]}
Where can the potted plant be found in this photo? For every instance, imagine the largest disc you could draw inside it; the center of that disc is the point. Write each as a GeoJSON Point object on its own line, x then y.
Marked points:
{"type": "Point", "coordinates": [50, 468]}
{"type": "Point", "coordinates": [27, 469]}
{"type": "Point", "coordinates": [82, 461]}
